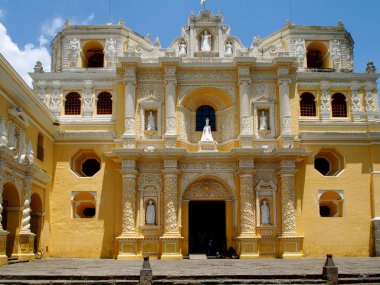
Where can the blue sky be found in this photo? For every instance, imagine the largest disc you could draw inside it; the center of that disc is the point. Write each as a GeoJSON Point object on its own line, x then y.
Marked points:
{"type": "Point", "coordinates": [27, 26]}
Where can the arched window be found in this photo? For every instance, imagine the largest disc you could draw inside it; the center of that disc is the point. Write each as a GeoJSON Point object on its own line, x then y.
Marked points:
{"type": "Point", "coordinates": [316, 56]}
{"type": "Point", "coordinates": [93, 55]}
{"type": "Point", "coordinates": [72, 104]}
{"type": "Point", "coordinates": [338, 105]}
{"type": "Point", "coordinates": [307, 105]}
{"type": "Point", "coordinates": [104, 104]}
{"type": "Point", "coordinates": [204, 112]}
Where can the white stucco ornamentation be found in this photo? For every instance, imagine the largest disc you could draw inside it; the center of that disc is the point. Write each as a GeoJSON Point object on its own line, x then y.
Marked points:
{"type": "Point", "coordinates": [129, 202]}
{"type": "Point", "coordinates": [288, 204]}
{"type": "Point", "coordinates": [110, 52]}
{"type": "Point", "coordinates": [171, 203]}
{"type": "Point", "coordinates": [26, 210]}
{"type": "Point", "coordinates": [356, 105]}
{"type": "Point", "coordinates": [335, 53]}
{"type": "Point", "coordinates": [369, 99]}
{"type": "Point", "coordinates": [247, 205]}
{"type": "Point", "coordinates": [55, 98]}
{"type": "Point", "coordinates": [300, 51]}
{"type": "Point", "coordinates": [206, 189]}
{"type": "Point", "coordinates": [73, 52]}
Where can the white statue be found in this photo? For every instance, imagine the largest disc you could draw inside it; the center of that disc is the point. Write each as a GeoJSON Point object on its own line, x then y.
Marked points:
{"type": "Point", "coordinates": [206, 42]}
{"type": "Point", "coordinates": [151, 124]}
{"type": "Point", "coordinates": [228, 49]}
{"type": "Point", "coordinates": [206, 135]}
{"type": "Point", "coordinates": [150, 214]}
{"type": "Point", "coordinates": [263, 122]}
{"type": "Point", "coordinates": [265, 213]}
{"type": "Point", "coordinates": [182, 49]}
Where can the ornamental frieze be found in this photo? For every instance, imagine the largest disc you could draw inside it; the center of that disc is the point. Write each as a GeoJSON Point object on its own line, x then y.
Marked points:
{"type": "Point", "coordinates": [206, 190]}
{"type": "Point", "coordinates": [206, 76]}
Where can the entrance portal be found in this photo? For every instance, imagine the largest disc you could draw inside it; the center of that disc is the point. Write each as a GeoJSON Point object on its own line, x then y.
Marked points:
{"type": "Point", "coordinates": [207, 226]}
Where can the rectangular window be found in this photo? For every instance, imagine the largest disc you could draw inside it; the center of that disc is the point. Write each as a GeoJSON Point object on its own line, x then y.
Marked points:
{"type": "Point", "coordinates": [40, 147]}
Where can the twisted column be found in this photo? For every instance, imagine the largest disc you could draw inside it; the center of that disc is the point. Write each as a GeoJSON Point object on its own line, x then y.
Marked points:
{"type": "Point", "coordinates": [26, 210]}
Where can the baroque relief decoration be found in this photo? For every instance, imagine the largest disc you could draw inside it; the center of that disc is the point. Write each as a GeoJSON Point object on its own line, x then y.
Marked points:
{"type": "Point", "coordinates": [150, 179]}
{"type": "Point", "coordinates": [171, 203]}
{"type": "Point", "coordinates": [207, 189]}
{"type": "Point", "coordinates": [288, 204]}
{"type": "Point", "coordinates": [129, 204]}
{"type": "Point", "coordinates": [247, 204]}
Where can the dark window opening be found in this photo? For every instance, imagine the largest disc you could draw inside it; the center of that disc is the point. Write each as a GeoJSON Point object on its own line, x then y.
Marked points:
{"type": "Point", "coordinates": [204, 112]}
{"type": "Point", "coordinates": [307, 105]}
{"type": "Point", "coordinates": [314, 59]}
{"type": "Point", "coordinates": [72, 104]}
{"type": "Point", "coordinates": [96, 60]}
{"type": "Point", "coordinates": [40, 147]}
{"type": "Point", "coordinates": [89, 212]}
{"type": "Point", "coordinates": [322, 165]}
{"type": "Point", "coordinates": [104, 104]}
{"type": "Point", "coordinates": [90, 167]}
{"type": "Point", "coordinates": [338, 105]}
{"type": "Point", "coordinates": [324, 211]}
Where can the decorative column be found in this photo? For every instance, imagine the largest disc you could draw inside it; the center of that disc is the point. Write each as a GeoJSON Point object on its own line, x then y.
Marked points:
{"type": "Point", "coordinates": [356, 104]}
{"type": "Point", "coordinates": [129, 245]}
{"type": "Point", "coordinates": [26, 237]}
{"type": "Point", "coordinates": [170, 135]}
{"type": "Point", "coordinates": [246, 119]}
{"type": "Point", "coordinates": [3, 133]}
{"type": "Point", "coordinates": [370, 106]}
{"type": "Point", "coordinates": [248, 238]}
{"type": "Point", "coordinates": [171, 239]}
{"type": "Point", "coordinates": [325, 101]}
{"type": "Point", "coordinates": [129, 136]}
{"type": "Point", "coordinates": [290, 242]}
{"type": "Point", "coordinates": [87, 98]}
{"type": "Point", "coordinates": [3, 233]}
{"type": "Point", "coordinates": [286, 128]}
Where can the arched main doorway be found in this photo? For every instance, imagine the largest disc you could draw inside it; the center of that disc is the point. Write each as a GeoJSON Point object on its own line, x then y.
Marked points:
{"type": "Point", "coordinates": [207, 217]}
{"type": "Point", "coordinates": [11, 216]}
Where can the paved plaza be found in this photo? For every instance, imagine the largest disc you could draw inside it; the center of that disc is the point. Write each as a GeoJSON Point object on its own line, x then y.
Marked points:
{"type": "Point", "coordinates": [258, 267]}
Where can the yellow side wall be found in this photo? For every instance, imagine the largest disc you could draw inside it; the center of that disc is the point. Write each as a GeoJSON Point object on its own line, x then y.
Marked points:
{"type": "Point", "coordinates": [86, 237]}
{"type": "Point", "coordinates": [341, 236]}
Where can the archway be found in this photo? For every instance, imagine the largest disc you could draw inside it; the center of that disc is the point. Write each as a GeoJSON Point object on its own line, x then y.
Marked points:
{"type": "Point", "coordinates": [11, 216]}
{"type": "Point", "coordinates": [36, 219]}
{"type": "Point", "coordinates": [207, 217]}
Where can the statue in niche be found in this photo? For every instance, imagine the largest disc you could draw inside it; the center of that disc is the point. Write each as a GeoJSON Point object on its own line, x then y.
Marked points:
{"type": "Point", "coordinates": [265, 213]}
{"type": "Point", "coordinates": [206, 42]}
{"type": "Point", "coordinates": [207, 135]}
{"type": "Point", "coordinates": [182, 48]}
{"type": "Point", "coordinates": [263, 122]}
{"type": "Point", "coordinates": [151, 124]}
{"type": "Point", "coordinates": [228, 48]}
{"type": "Point", "coordinates": [150, 214]}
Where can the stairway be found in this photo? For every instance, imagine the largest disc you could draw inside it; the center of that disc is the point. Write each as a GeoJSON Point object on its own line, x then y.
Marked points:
{"type": "Point", "coordinates": [14, 260]}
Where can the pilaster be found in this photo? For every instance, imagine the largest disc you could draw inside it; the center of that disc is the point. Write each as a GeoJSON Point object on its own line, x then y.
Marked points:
{"type": "Point", "coordinates": [129, 241]}
{"type": "Point", "coordinates": [171, 239]}
{"type": "Point", "coordinates": [129, 136]}
{"type": "Point", "coordinates": [170, 135]}
{"type": "Point", "coordinates": [88, 98]}
{"type": "Point", "coordinates": [324, 108]}
{"type": "Point", "coordinates": [356, 101]}
{"type": "Point", "coordinates": [370, 100]}
{"type": "Point", "coordinates": [247, 237]}
{"type": "Point", "coordinates": [246, 119]}
{"type": "Point", "coordinates": [290, 243]}
{"type": "Point", "coordinates": [286, 128]}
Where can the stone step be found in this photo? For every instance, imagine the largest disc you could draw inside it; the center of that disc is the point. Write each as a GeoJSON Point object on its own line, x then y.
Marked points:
{"type": "Point", "coordinates": [361, 280]}
{"type": "Point", "coordinates": [15, 260]}
{"type": "Point", "coordinates": [237, 281]}
{"type": "Point", "coordinates": [71, 282]}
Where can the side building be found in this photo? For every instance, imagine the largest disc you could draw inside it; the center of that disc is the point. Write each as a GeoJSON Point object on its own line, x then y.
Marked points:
{"type": "Point", "coordinates": [272, 149]}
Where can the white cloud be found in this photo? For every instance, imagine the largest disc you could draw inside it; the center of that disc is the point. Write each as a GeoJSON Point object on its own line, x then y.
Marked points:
{"type": "Point", "coordinates": [23, 59]}
{"type": "Point", "coordinates": [89, 19]}
{"type": "Point", "coordinates": [50, 28]}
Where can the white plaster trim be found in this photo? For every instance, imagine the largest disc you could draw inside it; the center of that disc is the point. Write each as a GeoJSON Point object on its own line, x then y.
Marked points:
{"type": "Point", "coordinates": [375, 172]}
{"type": "Point", "coordinates": [376, 219]}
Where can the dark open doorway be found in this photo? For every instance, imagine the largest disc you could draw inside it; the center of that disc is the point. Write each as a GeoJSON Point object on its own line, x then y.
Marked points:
{"type": "Point", "coordinates": [207, 226]}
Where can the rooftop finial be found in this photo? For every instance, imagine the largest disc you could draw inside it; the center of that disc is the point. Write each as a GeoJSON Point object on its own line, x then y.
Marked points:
{"type": "Point", "coordinates": [203, 2]}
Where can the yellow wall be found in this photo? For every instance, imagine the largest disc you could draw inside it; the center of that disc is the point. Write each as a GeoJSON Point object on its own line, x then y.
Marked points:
{"type": "Point", "coordinates": [341, 236]}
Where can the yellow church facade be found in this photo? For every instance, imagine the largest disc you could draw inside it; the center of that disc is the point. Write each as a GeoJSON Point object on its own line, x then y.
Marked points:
{"type": "Point", "coordinates": [127, 149]}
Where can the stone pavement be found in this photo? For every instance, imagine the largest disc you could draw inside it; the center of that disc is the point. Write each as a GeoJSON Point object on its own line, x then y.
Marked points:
{"type": "Point", "coordinates": [213, 267]}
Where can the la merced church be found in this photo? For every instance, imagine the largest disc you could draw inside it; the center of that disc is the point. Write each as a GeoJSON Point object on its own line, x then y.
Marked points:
{"type": "Point", "coordinates": [127, 148]}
